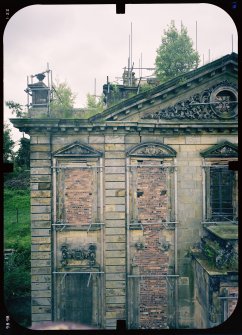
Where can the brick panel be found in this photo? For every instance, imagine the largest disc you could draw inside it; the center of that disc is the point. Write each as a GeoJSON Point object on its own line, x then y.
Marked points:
{"type": "Point", "coordinates": [78, 196]}
{"type": "Point", "coordinates": [151, 193]}
{"type": "Point", "coordinates": [152, 207]}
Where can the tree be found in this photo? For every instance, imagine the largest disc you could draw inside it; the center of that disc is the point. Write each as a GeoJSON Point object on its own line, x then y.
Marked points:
{"type": "Point", "coordinates": [23, 155]}
{"type": "Point", "coordinates": [176, 55]}
{"type": "Point", "coordinates": [62, 104]}
{"type": "Point", "coordinates": [15, 107]}
{"type": "Point", "coordinates": [8, 144]}
{"type": "Point", "coordinates": [94, 103]}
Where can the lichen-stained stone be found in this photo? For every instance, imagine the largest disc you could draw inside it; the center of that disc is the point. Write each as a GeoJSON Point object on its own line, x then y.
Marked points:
{"type": "Point", "coordinates": [41, 194]}
{"type": "Point", "coordinates": [115, 261]}
{"type": "Point", "coordinates": [41, 270]}
{"type": "Point", "coordinates": [117, 208]}
{"type": "Point", "coordinates": [115, 200]}
{"type": "Point", "coordinates": [40, 216]}
{"type": "Point", "coordinates": [114, 169]}
{"type": "Point", "coordinates": [40, 317]}
{"type": "Point", "coordinates": [114, 162]}
{"type": "Point", "coordinates": [40, 247]}
{"type": "Point", "coordinates": [40, 163]}
{"type": "Point", "coordinates": [114, 147]}
{"type": "Point", "coordinates": [115, 154]}
{"type": "Point", "coordinates": [114, 139]}
{"type": "Point", "coordinates": [40, 209]}
{"type": "Point", "coordinates": [40, 263]}
{"type": "Point", "coordinates": [114, 185]}
{"type": "Point", "coordinates": [39, 155]}
{"type": "Point", "coordinates": [40, 294]}
{"type": "Point", "coordinates": [115, 246]}
{"type": "Point", "coordinates": [113, 238]}
{"type": "Point", "coordinates": [39, 148]}
{"type": "Point", "coordinates": [114, 215]}
{"type": "Point", "coordinates": [41, 224]}
{"type": "Point", "coordinates": [96, 139]}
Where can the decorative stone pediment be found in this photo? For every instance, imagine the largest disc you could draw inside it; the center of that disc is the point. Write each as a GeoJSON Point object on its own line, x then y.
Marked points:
{"type": "Point", "coordinates": [222, 150]}
{"type": "Point", "coordinates": [152, 149]}
{"type": "Point", "coordinates": [77, 149]}
{"type": "Point", "coordinates": [218, 102]}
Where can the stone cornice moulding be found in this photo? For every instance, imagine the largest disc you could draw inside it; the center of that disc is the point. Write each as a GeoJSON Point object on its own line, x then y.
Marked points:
{"type": "Point", "coordinates": [47, 126]}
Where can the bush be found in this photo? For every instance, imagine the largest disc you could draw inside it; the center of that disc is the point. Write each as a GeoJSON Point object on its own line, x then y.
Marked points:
{"type": "Point", "coordinates": [17, 180]}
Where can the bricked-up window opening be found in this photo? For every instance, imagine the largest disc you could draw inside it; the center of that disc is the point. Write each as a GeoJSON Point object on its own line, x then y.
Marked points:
{"type": "Point", "coordinates": [152, 247]}
{"type": "Point", "coordinates": [78, 198]}
{"type": "Point", "coordinates": [78, 193]}
{"type": "Point", "coordinates": [78, 241]}
{"type": "Point", "coordinates": [221, 199]}
{"type": "Point", "coordinates": [152, 204]}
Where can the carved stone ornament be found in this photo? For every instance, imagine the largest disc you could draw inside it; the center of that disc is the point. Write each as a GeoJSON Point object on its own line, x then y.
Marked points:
{"type": "Point", "coordinates": [224, 101]}
{"type": "Point", "coordinates": [225, 149]}
{"type": "Point", "coordinates": [218, 102]}
{"type": "Point", "coordinates": [152, 149]}
{"type": "Point", "coordinates": [77, 149]}
{"type": "Point", "coordinates": [81, 254]}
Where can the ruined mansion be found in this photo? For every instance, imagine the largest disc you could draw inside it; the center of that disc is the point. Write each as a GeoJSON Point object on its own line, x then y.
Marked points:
{"type": "Point", "coordinates": [134, 210]}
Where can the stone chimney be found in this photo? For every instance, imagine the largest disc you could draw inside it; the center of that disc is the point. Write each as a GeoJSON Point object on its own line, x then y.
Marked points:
{"type": "Point", "coordinates": [40, 94]}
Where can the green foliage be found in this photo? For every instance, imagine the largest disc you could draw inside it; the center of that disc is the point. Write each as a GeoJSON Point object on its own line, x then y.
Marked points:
{"type": "Point", "coordinates": [17, 274]}
{"type": "Point", "coordinates": [23, 155]}
{"type": "Point", "coordinates": [16, 108]}
{"type": "Point", "coordinates": [17, 180]}
{"type": "Point", "coordinates": [219, 256]}
{"type": "Point", "coordinates": [16, 219]}
{"type": "Point", "coordinates": [8, 144]}
{"type": "Point", "coordinates": [62, 105]}
{"type": "Point", "coordinates": [17, 280]}
{"type": "Point", "coordinates": [145, 87]}
{"type": "Point", "coordinates": [94, 105]}
{"type": "Point", "coordinates": [175, 55]}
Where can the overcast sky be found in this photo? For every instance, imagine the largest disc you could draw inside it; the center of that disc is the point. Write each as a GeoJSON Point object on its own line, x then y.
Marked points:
{"type": "Point", "coordinates": [84, 42]}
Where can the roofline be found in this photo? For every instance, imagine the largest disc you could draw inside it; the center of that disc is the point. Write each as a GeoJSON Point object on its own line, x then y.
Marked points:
{"type": "Point", "coordinates": [233, 57]}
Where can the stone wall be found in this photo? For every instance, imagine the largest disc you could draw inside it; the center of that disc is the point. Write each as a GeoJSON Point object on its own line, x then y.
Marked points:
{"type": "Point", "coordinates": [176, 121]}
{"type": "Point", "coordinates": [151, 201]}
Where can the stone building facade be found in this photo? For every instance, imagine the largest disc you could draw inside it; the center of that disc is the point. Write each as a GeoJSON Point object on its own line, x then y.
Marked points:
{"type": "Point", "coordinates": [122, 204]}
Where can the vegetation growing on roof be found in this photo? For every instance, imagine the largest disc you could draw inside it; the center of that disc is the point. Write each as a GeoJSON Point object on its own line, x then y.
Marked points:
{"type": "Point", "coordinates": [175, 55]}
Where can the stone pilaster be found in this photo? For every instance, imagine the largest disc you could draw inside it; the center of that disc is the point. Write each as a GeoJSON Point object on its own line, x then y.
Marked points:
{"type": "Point", "coordinates": [40, 169]}
{"type": "Point", "coordinates": [115, 246]}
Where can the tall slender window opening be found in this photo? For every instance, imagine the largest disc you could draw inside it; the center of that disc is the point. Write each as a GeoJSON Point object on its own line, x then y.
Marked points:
{"type": "Point", "coordinates": [221, 193]}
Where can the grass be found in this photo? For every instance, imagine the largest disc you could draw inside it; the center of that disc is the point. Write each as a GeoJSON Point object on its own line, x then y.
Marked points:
{"type": "Point", "coordinates": [16, 219]}
{"type": "Point", "coordinates": [17, 283]}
